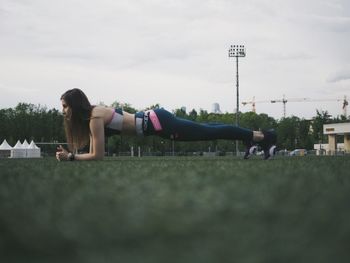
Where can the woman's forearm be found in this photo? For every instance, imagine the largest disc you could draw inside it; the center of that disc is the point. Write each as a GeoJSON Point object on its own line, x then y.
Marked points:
{"type": "Point", "coordinates": [88, 156]}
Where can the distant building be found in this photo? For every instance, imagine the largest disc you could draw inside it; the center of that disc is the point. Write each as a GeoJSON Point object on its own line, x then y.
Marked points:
{"type": "Point", "coordinates": [215, 108]}
{"type": "Point", "coordinates": [334, 129]}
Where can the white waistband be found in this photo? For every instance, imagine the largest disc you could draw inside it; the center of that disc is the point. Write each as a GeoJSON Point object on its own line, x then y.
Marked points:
{"type": "Point", "coordinates": [138, 124]}
{"type": "Point", "coordinates": [116, 122]}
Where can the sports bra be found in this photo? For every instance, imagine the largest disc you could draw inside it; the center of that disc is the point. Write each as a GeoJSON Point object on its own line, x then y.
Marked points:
{"type": "Point", "coordinates": [115, 125]}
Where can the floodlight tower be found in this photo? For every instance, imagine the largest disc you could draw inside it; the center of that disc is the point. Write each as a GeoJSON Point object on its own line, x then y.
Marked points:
{"type": "Point", "coordinates": [237, 51]}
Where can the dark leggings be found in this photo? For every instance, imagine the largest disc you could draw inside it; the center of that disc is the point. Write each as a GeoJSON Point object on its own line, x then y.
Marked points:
{"type": "Point", "coordinates": [185, 130]}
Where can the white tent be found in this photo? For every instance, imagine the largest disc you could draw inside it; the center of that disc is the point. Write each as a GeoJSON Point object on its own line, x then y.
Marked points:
{"type": "Point", "coordinates": [5, 149]}
{"type": "Point", "coordinates": [33, 151]}
{"type": "Point", "coordinates": [18, 151]}
{"type": "Point", "coordinates": [25, 144]}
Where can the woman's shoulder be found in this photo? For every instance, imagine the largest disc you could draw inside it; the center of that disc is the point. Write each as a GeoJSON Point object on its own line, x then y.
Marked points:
{"type": "Point", "coordinates": [101, 112]}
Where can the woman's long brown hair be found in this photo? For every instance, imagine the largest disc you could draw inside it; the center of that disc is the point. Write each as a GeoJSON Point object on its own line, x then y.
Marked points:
{"type": "Point", "coordinates": [77, 125]}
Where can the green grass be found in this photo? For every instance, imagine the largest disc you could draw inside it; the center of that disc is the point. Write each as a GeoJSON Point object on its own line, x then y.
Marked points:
{"type": "Point", "coordinates": [175, 210]}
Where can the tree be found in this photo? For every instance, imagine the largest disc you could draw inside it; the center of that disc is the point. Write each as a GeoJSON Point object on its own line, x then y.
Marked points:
{"type": "Point", "coordinates": [180, 113]}
{"type": "Point", "coordinates": [193, 115]}
{"type": "Point", "coordinates": [203, 116]}
{"type": "Point", "coordinates": [31, 122]}
{"type": "Point", "coordinates": [318, 121]}
{"type": "Point", "coordinates": [153, 107]}
{"type": "Point", "coordinates": [124, 106]}
{"type": "Point", "coordinates": [305, 137]}
{"type": "Point", "coordinates": [288, 132]}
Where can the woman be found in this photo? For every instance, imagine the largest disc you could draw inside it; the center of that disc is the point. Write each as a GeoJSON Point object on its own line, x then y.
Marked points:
{"type": "Point", "coordinates": [85, 123]}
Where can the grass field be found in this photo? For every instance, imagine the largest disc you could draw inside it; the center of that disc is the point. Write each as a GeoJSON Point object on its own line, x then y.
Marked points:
{"type": "Point", "coordinates": [175, 210]}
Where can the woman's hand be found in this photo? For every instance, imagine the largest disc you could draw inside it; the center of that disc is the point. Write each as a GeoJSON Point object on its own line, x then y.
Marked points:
{"type": "Point", "coordinates": [61, 154]}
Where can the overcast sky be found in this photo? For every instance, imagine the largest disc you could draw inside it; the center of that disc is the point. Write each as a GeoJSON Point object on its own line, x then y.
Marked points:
{"type": "Point", "coordinates": [176, 52]}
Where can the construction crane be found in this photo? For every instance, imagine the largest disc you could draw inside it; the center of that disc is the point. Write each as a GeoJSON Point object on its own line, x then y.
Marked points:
{"type": "Point", "coordinates": [253, 102]}
{"type": "Point", "coordinates": [284, 101]}
{"type": "Point", "coordinates": [344, 101]}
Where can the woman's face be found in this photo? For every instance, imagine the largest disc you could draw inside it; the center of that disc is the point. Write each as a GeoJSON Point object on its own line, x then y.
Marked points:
{"type": "Point", "coordinates": [66, 110]}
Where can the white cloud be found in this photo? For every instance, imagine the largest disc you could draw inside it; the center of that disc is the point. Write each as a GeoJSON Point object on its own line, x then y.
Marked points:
{"type": "Point", "coordinates": [141, 51]}
{"type": "Point", "coordinates": [338, 76]}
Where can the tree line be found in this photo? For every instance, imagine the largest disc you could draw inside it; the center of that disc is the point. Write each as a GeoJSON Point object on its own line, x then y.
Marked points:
{"type": "Point", "coordinates": [31, 122]}
{"type": "Point", "coordinates": [38, 123]}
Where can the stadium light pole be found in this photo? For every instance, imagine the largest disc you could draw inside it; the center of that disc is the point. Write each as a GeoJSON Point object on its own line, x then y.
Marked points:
{"type": "Point", "coordinates": [237, 51]}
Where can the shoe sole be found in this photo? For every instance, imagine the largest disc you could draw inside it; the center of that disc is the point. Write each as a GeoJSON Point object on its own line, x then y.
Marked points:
{"type": "Point", "coordinates": [252, 151]}
{"type": "Point", "coordinates": [272, 152]}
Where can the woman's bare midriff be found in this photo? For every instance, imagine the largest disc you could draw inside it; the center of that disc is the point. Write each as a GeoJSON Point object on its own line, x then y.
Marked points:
{"type": "Point", "coordinates": [128, 124]}
{"type": "Point", "coordinates": [106, 113]}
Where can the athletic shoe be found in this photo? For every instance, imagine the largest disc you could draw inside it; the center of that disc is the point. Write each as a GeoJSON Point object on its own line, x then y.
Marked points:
{"type": "Point", "coordinates": [251, 148]}
{"type": "Point", "coordinates": [268, 144]}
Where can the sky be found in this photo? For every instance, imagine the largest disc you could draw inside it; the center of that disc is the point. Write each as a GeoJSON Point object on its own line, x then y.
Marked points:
{"type": "Point", "coordinates": [175, 53]}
